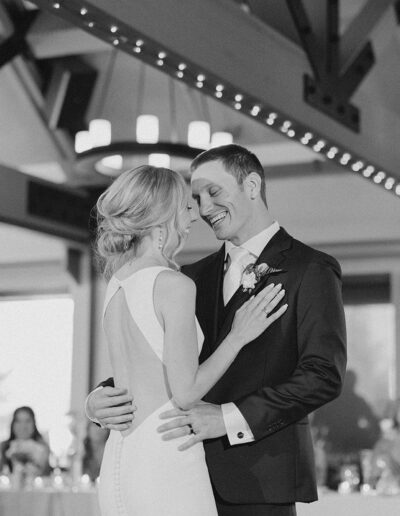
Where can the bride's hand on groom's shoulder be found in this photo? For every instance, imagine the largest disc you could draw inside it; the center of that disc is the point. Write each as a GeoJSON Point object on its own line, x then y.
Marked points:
{"type": "Point", "coordinates": [203, 421]}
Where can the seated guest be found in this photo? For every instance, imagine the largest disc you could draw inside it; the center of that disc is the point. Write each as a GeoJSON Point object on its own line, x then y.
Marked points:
{"type": "Point", "coordinates": [342, 429]}
{"type": "Point", "coordinates": [25, 448]}
{"type": "Point", "coordinates": [386, 453]}
{"type": "Point", "coordinates": [347, 424]}
{"type": "Point", "coordinates": [93, 444]}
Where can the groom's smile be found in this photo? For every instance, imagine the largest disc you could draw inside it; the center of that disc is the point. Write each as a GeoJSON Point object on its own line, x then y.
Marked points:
{"type": "Point", "coordinates": [214, 220]}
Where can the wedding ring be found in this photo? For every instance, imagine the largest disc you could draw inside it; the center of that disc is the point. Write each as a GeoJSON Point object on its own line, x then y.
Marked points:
{"type": "Point", "coordinates": [265, 311]}
{"type": "Point", "coordinates": [191, 431]}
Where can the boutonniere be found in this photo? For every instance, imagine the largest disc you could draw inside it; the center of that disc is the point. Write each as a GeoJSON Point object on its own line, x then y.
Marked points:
{"type": "Point", "coordinates": [253, 273]}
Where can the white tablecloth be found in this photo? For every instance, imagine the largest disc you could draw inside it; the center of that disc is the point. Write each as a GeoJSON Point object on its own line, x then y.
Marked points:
{"type": "Point", "coordinates": [59, 503]}
{"type": "Point", "coordinates": [48, 503]}
{"type": "Point", "coordinates": [333, 504]}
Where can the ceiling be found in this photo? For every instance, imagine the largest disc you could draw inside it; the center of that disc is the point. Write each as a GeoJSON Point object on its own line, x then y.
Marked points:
{"type": "Point", "coordinates": [35, 148]}
{"type": "Point", "coordinates": [307, 189]}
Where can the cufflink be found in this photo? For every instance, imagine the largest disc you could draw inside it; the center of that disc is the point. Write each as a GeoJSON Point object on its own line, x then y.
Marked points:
{"type": "Point", "coordinates": [240, 435]}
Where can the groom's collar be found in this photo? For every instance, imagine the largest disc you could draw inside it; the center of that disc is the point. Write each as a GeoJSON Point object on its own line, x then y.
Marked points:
{"type": "Point", "coordinates": [257, 243]}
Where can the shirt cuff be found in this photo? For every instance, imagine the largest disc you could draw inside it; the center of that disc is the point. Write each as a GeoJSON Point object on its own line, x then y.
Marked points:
{"type": "Point", "coordinates": [87, 412]}
{"type": "Point", "coordinates": [237, 428]}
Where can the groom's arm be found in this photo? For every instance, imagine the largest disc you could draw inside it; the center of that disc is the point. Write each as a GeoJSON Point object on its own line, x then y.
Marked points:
{"type": "Point", "coordinates": [321, 343]}
{"type": "Point", "coordinates": [316, 380]}
{"type": "Point", "coordinates": [110, 407]}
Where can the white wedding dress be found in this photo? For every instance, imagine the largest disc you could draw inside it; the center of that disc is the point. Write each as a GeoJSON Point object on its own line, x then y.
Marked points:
{"type": "Point", "coordinates": [142, 475]}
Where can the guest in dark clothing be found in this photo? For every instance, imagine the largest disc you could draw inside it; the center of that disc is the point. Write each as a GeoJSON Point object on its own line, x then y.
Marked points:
{"type": "Point", "coordinates": [344, 427]}
{"type": "Point", "coordinates": [347, 424]}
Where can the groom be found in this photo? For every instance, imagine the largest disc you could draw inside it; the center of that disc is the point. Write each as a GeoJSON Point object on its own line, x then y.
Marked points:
{"type": "Point", "coordinates": [257, 436]}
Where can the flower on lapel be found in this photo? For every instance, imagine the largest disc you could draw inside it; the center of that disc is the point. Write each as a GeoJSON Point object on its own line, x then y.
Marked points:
{"type": "Point", "coordinates": [253, 273]}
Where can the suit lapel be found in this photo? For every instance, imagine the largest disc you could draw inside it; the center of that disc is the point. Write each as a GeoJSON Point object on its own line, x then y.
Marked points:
{"type": "Point", "coordinates": [273, 254]}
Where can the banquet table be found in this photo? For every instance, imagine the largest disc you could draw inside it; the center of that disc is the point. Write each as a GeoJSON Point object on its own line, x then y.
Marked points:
{"type": "Point", "coordinates": [48, 502]}
{"type": "Point", "coordinates": [333, 504]}
{"type": "Point", "coordinates": [67, 503]}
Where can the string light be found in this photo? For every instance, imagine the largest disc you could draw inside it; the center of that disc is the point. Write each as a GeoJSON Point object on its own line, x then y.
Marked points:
{"type": "Point", "coordinates": [357, 166]}
{"type": "Point", "coordinates": [114, 29]}
{"type": "Point", "coordinates": [305, 140]}
{"type": "Point", "coordinates": [345, 158]}
{"type": "Point", "coordinates": [83, 11]}
{"type": "Point", "coordinates": [389, 183]}
{"type": "Point", "coordinates": [332, 152]}
{"type": "Point", "coordinates": [255, 110]}
{"type": "Point", "coordinates": [319, 145]}
{"type": "Point", "coordinates": [368, 171]}
{"type": "Point", "coordinates": [379, 177]}
{"type": "Point", "coordinates": [271, 118]}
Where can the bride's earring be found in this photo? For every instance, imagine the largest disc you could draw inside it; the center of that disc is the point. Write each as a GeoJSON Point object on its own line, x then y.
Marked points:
{"type": "Point", "coordinates": [160, 240]}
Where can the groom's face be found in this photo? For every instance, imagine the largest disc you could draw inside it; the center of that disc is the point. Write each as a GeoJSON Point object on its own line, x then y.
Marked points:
{"type": "Point", "coordinates": [223, 203]}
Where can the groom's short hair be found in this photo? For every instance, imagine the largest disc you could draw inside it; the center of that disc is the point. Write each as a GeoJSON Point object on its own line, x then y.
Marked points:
{"type": "Point", "coordinates": [237, 160]}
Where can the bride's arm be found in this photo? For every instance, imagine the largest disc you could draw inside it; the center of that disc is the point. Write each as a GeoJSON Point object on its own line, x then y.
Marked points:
{"type": "Point", "coordinates": [175, 297]}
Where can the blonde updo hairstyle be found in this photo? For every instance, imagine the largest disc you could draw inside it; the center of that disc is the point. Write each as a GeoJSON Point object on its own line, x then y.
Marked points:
{"type": "Point", "coordinates": [132, 206]}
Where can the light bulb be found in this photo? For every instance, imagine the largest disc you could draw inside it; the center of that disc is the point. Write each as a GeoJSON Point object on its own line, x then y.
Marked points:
{"type": "Point", "coordinates": [83, 141]}
{"type": "Point", "coordinates": [160, 160]}
{"type": "Point", "coordinates": [147, 129]}
{"type": "Point", "coordinates": [199, 134]}
{"type": "Point", "coordinates": [100, 132]}
{"type": "Point", "coordinates": [221, 138]}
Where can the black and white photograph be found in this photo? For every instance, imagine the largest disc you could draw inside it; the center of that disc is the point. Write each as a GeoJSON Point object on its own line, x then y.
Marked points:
{"type": "Point", "coordinates": [199, 257]}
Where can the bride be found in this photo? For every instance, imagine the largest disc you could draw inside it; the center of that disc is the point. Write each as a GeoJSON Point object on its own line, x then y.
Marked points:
{"type": "Point", "coordinates": [154, 341]}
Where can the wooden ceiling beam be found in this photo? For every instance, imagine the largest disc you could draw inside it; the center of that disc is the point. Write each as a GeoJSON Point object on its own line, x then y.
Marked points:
{"type": "Point", "coordinates": [359, 31]}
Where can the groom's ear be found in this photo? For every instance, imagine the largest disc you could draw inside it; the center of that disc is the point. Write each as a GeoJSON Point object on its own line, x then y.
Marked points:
{"type": "Point", "coordinates": [252, 184]}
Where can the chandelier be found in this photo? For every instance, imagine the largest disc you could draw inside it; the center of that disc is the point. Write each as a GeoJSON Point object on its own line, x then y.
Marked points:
{"type": "Point", "coordinates": [98, 153]}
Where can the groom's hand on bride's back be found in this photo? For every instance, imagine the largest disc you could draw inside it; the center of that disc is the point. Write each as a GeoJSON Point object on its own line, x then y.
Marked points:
{"type": "Point", "coordinates": [111, 407]}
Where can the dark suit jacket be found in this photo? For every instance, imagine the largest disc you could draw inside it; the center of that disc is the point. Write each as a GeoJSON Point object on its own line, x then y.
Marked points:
{"type": "Point", "coordinates": [293, 368]}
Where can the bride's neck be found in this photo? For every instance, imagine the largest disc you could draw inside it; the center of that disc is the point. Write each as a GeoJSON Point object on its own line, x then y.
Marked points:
{"type": "Point", "coordinates": [148, 253]}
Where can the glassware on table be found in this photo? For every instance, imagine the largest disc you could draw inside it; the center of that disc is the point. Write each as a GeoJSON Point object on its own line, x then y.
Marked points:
{"type": "Point", "coordinates": [5, 481]}
{"type": "Point", "coordinates": [349, 479]}
{"type": "Point", "coordinates": [367, 472]}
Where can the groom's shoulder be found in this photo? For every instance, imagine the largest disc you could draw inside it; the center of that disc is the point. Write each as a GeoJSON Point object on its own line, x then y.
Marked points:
{"type": "Point", "coordinates": [195, 269]}
{"type": "Point", "coordinates": [306, 255]}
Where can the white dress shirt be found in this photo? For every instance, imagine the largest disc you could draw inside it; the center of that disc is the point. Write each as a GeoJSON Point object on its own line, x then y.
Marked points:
{"type": "Point", "coordinates": [237, 428]}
